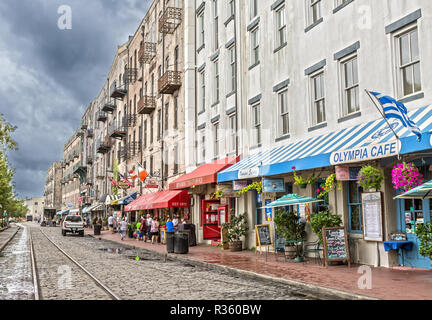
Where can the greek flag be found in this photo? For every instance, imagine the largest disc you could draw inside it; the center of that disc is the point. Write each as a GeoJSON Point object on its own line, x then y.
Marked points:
{"type": "Point", "coordinates": [394, 109]}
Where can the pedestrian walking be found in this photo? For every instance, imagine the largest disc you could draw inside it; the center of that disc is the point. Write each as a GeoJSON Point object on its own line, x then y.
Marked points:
{"type": "Point", "coordinates": [123, 228]}
{"type": "Point", "coordinates": [111, 223]}
{"type": "Point", "coordinates": [175, 222]}
{"type": "Point", "coordinates": [154, 231]}
{"type": "Point", "coordinates": [149, 223]}
{"type": "Point", "coordinates": [169, 225]}
{"type": "Point", "coordinates": [143, 229]}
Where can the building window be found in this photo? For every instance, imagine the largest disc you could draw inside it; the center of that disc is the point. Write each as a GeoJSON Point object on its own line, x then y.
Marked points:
{"type": "Point", "coordinates": [256, 125]}
{"type": "Point", "coordinates": [283, 113]}
{"type": "Point", "coordinates": [354, 207]}
{"type": "Point", "coordinates": [203, 148]}
{"type": "Point", "coordinates": [175, 112]}
{"type": "Point", "coordinates": [176, 160]}
{"type": "Point", "coordinates": [280, 27]}
{"type": "Point", "coordinates": [151, 165]}
{"type": "Point", "coordinates": [231, 8]}
{"type": "Point", "coordinates": [216, 70]}
{"type": "Point", "coordinates": [409, 62]}
{"type": "Point", "coordinates": [216, 134]}
{"type": "Point", "coordinates": [166, 161]}
{"type": "Point", "coordinates": [253, 8]}
{"type": "Point", "coordinates": [232, 133]}
{"type": "Point", "coordinates": [201, 36]}
{"type": "Point", "coordinates": [145, 134]}
{"type": "Point", "coordinates": [232, 76]}
{"type": "Point", "coordinates": [254, 46]}
{"type": "Point", "coordinates": [167, 116]}
{"type": "Point", "coordinates": [350, 86]}
{"type": "Point", "coordinates": [314, 11]}
{"type": "Point", "coordinates": [151, 129]}
{"type": "Point", "coordinates": [202, 94]}
{"type": "Point", "coordinates": [159, 134]}
{"type": "Point", "coordinates": [318, 99]}
{"type": "Point", "coordinates": [215, 25]}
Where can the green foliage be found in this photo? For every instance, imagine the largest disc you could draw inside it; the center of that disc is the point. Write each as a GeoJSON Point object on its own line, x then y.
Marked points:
{"type": "Point", "coordinates": [424, 233]}
{"type": "Point", "coordinates": [288, 226]}
{"type": "Point", "coordinates": [370, 178]}
{"type": "Point", "coordinates": [254, 186]}
{"type": "Point", "coordinates": [324, 219]}
{"type": "Point", "coordinates": [6, 129]}
{"type": "Point", "coordinates": [217, 195]}
{"type": "Point", "coordinates": [131, 228]}
{"type": "Point", "coordinates": [299, 180]}
{"type": "Point", "coordinates": [331, 184]}
{"type": "Point", "coordinates": [115, 176]}
{"type": "Point", "coordinates": [236, 227]}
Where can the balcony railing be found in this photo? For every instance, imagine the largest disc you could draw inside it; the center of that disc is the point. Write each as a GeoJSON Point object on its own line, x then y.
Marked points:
{"type": "Point", "coordinates": [147, 52]}
{"type": "Point", "coordinates": [117, 130]}
{"type": "Point", "coordinates": [170, 82]}
{"type": "Point", "coordinates": [170, 20]}
{"type": "Point", "coordinates": [146, 105]}
{"type": "Point", "coordinates": [109, 105]}
{"type": "Point", "coordinates": [101, 116]}
{"type": "Point", "coordinates": [132, 120]}
{"type": "Point", "coordinates": [89, 160]}
{"type": "Point", "coordinates": [102, 147]}
{"type": "Point", "coordinates": [118, 92]}
{"type": "Point", "coordinates": [90, 133]}
{"type": "Point", "coordinates": [131, 74]}
{"type": "Point", "coordinates": [84, 125]}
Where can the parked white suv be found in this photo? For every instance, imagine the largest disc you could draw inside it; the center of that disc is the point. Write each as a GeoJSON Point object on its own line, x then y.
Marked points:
{"type": "Point", "coordinates": [73, 224]}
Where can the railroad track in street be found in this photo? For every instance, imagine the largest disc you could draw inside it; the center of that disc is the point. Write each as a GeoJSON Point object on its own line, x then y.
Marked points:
{"type": "Point", "coordinates": [70, 281]}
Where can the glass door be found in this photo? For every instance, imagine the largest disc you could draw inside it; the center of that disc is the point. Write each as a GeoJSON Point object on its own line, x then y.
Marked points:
{"type": "Point", "coordinates": [413, 212]}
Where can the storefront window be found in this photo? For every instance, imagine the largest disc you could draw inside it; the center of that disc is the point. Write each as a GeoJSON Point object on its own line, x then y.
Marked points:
{"type": "Point", "coordinates": [354, 207]}
{"type": "Point", "coordinates": [324, 205]}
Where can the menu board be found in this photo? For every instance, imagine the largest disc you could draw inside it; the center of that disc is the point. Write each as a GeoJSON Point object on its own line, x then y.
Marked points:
{"type": "Point", "coordinates": [263, 235]}
{"type": "Point", "coordinates": [336, 245]}
{"type": "Point", "coordinates": [372, 216]}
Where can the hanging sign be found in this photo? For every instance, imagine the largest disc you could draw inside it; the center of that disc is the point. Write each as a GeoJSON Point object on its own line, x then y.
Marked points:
{"type": "Point", "coordinates": [367, 153]}
{"type": "Point", "coordinates": [372, 216]}
{"type": "Point", "coordinates": [347, 173]}
{"type": "Point", "coordinates": [239, 185]}
{"type": "Point", "coordinates": [273, 185]}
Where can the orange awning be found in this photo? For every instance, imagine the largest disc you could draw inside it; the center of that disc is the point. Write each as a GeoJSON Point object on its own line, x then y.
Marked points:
{"type": "Point", "coordinates": [205, 174]}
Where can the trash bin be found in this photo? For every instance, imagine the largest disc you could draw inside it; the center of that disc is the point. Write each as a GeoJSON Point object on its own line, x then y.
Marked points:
{"type": "Point", "coordinates": [181, 242]}
{"type": "Point", "coordinates": [191, 229]}
{"type": "Point", "coordinates": [170, 242]}
{"type": "Point", "coordinates": [97, 229]}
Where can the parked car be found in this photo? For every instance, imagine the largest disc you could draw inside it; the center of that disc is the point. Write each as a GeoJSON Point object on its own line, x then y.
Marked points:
{"type": "Point", "coordinates": [73, 224]}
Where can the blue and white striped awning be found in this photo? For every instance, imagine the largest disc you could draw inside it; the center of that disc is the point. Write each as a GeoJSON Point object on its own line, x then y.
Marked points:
{"type": "Point", "coordinates": [368, 141]}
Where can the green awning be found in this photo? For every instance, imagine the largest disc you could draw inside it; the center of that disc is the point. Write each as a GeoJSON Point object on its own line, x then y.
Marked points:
{"type": "Point", "coordinates": [291, 200]}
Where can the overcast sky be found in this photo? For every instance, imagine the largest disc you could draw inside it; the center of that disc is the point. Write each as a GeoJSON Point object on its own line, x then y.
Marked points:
{"type": "Point", "coordinates": [49, 76]}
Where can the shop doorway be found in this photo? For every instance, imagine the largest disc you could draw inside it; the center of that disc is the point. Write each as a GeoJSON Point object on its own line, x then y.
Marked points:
{"type": "Point", "coordinates": [413, 212]}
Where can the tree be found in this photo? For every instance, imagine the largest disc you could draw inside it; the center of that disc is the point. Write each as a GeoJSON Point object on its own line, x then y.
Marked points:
{"type": "Point", "coordinates": [6, 129]}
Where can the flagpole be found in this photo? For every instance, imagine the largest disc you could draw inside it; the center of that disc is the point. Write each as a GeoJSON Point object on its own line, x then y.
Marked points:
{"type": "Point", "coordinates": [383, 115]}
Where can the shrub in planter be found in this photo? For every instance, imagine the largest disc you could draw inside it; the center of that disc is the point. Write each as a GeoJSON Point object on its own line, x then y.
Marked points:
{"type": "Point", "coordinates": [424, 233]}
{"type": "Point", "coordinates": [370, 178]}
{"type": "Point", "coordinates": [236, 228]}
{"type": "Point", "coordinates": [406, 177]}
{"type": "Point", "coordinates": [131, 228]}
{"type": "Point", "coordinates": [288, 227]}
{"type": "Point", "coordinates": [324, 219]}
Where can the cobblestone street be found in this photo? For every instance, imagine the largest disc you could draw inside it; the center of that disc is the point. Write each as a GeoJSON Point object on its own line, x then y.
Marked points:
{"type": "Point", "coordinates": [136, 274]}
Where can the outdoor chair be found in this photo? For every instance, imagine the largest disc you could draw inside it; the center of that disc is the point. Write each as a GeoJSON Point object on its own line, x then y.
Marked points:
{"type": "Point", "coordinates": [314, 248]}
{"type": "Point", "coordinates": [280, 248]}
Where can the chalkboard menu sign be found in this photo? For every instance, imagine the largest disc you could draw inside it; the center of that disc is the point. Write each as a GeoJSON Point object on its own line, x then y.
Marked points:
{"type": "Point", "coordinates": [263, 235]}
{"type": "Point", "coordinates": [336, 248]}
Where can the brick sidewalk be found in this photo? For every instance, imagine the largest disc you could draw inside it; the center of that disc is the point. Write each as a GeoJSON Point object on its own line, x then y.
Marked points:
{"type": "Point", "coordinates": [388, 284]}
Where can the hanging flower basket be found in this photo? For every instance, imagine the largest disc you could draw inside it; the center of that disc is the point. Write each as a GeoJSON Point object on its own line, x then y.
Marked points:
{"type": "Point", "coordinates": [370, 178]}
{"type": "Point", "coordinates": [406, 176]}
{"type": "Point", "coordinates": [303, 182]}
{"type": "Point", "coordinates": [331, 184]}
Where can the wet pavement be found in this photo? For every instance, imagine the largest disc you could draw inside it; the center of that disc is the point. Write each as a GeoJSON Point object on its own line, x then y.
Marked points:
{"type": "Point", "coordinates": [16, 282]}
{"type": "Point", "coordinates": [386, 283]}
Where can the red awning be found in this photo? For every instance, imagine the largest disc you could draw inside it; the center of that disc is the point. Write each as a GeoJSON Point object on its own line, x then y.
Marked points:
{"type": "Point", "coordinates": [161, 199]}
{"type": "Point", "coordinates": [205, 174]}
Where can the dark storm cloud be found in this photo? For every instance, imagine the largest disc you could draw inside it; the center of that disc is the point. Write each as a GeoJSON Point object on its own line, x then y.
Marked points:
{"type": "Point", "coordinates": [49, 76]}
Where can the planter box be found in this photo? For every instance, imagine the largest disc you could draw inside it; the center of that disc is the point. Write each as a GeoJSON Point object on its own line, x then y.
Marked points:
{"type": "Point", "coordinates": [290, 252]}
{"type": "Point", "coordinates": [236, 246]}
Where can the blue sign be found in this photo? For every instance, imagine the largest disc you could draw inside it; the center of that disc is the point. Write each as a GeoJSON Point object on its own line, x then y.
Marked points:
{"type": "Point", "coordinates": [273, 185]}
{"type": "Point", "coordinates": [268, 211]}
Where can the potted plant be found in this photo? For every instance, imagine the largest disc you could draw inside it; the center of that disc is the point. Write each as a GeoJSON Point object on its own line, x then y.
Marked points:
{"type": "Point", "coordinates": [236, 228]}
{"type": "Point", "coordinates": [424, 234]}
{"type": "Point", "coordinates": [288, 227]}
{"type": "Point", "coordinates": [324, 219]}
{"type": "Point", "coordinates": [257, 186]}
{"type": "Point", "coordinates": [105, 223]}
{"type": "Point", "coordinates": [131, 228]}
{"type": "Point", "coordinates": [370, 178]}
{"type": "Point", "coordinates": [406, 177]}
{"type": "Point", "coordinates": [303, 182]}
